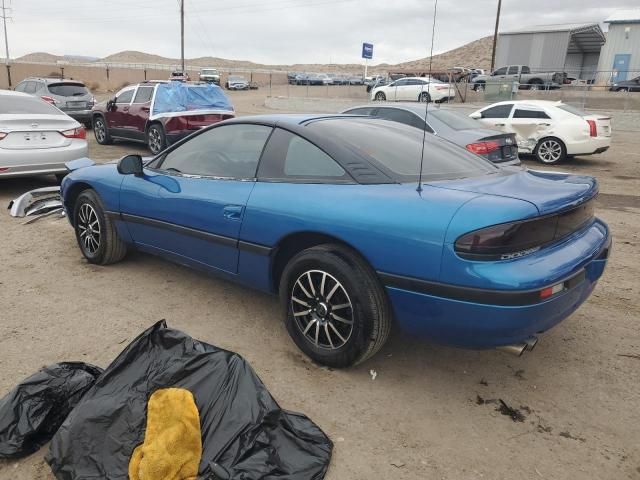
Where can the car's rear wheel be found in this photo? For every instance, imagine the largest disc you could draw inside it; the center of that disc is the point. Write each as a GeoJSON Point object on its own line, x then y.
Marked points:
{"type": "Point", "coordinates": [623, 89]}
{"type": "Point", "coordinates": [479, 87]}
{"type": "Point", "coordinates": [337, 312]}
{"type": "Point", "coordinates": [95, 232]}
{"type": "Point", "coordinates": [156, 139]}
{"type": "Point", "coordinates": [550, 150]}
{"type": "Point", "coordinates": [100, 130]}
{"type": "Point", "coordinates": [380, 96]}
{"type": "Point", "coordinates": [424, 97]}
{"type": "Point", "coordinates": [535, 84]}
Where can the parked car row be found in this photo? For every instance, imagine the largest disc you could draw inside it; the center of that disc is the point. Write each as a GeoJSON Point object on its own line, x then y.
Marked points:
{"type": "Point", "coordinates": [295, 78]}
{"type": "Point", "coordinates": [417, 89]}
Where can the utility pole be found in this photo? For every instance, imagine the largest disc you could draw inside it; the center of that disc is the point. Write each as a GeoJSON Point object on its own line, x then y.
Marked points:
{"type": "Point", "coordinates": [6, 41]}
{"type": "Point", "coordinates": [495, 37]}
{"type": "Point", "coordinates": [181, 35]}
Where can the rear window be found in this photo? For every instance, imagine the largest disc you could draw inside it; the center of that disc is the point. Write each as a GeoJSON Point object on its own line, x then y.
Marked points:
{"type": "Point", "coordinates": [26, 105]}
{"type": "Point", "coordinates": [572, 109]}
{"type": "Point", "coordinates": [68, 89]}
{"type": "Point", "coordinates": [454, 120]}
{"type": "Point", "coordinates": [396, 149]}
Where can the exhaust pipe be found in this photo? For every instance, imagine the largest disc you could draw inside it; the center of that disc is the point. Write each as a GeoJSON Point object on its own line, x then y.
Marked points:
{"type": "Point", "coordinates": [518, 349]}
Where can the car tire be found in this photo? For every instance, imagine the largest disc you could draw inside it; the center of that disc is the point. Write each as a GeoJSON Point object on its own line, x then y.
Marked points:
{"type": "Point", "coordinates": [623, 90]}
{"type": "Point", "coordinates": [535, 84]}
{"type": "Point", "coordinates": [95, 232]}
{"type": "Point", "coordinates": [479, 87]}
{"type": "Point", "coordinates": [156, 138]}
{"type": "Point", "coordinates": [424, 97]}
{"type": "Point", "coordinates": [550, 150]}
{"type": "Point", "coordinates": [380, 97]}
{"type": "Point", "coordinates": [323, 280]}
{"type": "Point", "coordinates": [101, 131]}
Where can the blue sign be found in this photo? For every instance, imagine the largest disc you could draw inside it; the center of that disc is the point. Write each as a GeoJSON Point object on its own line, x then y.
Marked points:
{"type": "Point", "coordinates": [367, 50]}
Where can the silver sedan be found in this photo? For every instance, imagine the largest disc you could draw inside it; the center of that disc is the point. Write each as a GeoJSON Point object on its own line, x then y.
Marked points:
{"type": "Point", "coordinates": [36, 138]}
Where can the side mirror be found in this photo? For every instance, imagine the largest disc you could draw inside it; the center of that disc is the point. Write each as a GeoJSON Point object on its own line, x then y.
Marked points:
{"type": "Point", "coordinates": [111, 103]}
{"type": "Point", "coordinates": [476, 115]}
{"type": "Point", "coordinates": [130, 164]}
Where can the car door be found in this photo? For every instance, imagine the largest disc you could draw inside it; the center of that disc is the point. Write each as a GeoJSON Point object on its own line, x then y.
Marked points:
{"type": "Point", "coordinates": [190, 202]}
{"type": "Point", "coordinates": [497, 116]}
{"type": "Point", "coordinates": [138, 114]}
{"type": "Point", "coordinates": [529, 123]}
{"type": "Point", "coordinates": [500, 73]}
{"type": "Point", "coordinates": [513, 72]}
{"type": "Point", "coordinates": [404, 89]}
{"type": "Point", "coordinates": [118, 115]}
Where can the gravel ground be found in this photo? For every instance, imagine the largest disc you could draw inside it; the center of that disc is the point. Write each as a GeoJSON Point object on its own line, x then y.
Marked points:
{"type": "Point", "coordinates": [423, 415]}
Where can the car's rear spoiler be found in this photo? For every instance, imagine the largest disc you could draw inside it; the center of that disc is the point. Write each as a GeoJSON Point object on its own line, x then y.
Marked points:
{"type": "Point", "coordinates": [79, 163]}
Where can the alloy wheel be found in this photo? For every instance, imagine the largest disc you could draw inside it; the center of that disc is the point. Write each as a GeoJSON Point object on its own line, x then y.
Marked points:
{"type": "Point", "coordinates": [322, 309]}
{"type": "Point", "coordinates": [424, 97]}
{"type": "Point", "coordinates": [380, 96]}
{"type": "Point", "coordinates": [155, 141]}
{"type": "Point", "coordinates": [550, 151]}
{"type": "Point", "coordinates": [99, 131]}
{"type": "Point", "coordinates": [89, 227]}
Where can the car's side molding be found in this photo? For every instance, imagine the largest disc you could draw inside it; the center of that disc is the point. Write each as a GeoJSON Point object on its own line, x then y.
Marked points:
{"type": "Point", "coordinates": [470, 294]}
{"type": "Point", "coordinates": [193, 232]}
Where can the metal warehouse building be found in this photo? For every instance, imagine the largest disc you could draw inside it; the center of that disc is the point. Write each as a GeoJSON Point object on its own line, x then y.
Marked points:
{"type": "Point", "coordinates": [620, 57]}
{"type": "Point", "coordinates": [572, 48]}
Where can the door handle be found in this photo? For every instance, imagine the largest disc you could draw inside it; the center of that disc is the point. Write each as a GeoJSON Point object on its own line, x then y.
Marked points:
{"type": "Point", "coordinates": [145, 109]}
{"type": "Point", "coordinates": [125, 109]}
{"type": "Point", "coordinates": [233, 212]}
{"type": "Point", "coordinates": [499, 124]}
{"type": "Point", "coordinates": [544, 124]}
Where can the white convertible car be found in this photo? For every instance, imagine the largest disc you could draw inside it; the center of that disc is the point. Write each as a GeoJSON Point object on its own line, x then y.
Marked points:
{"type": "Point", "coordinates": [552, 131]}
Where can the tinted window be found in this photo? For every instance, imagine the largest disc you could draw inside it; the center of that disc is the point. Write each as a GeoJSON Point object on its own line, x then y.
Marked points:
{"type": "Point", "coordinates": [143, 95]}
{"type": "Point", "coordinates": [401, 116]}
{"type": "Point", "coordinates": [68, 89]}
{"type": "Point", "coordinates": [401, 83]}
{"type": "Point", "coordinates": [289, 157]}
{"type": "Point", "coordinates": [396, 149]}
{"type": "Point", "coordinates": [227, 151]}
{"type": "Point", "coordinates": [499, 111]}
{"type": "Point", "coordinates": [30, 87]}
{"type": "Point", "coordinates": [526, 70]}
{"type": "Point", "coordinates": [28, 105]}
{"type": "Point", "coordinates": [20, 86]}
{"type": "Point", "coordinates": [513, 70]}
{"type": "Point", "coordinates": [521, 113]}
{"type": "Point", "coordinates": [125, 97]}
{"type": "Point", "coordinates": [455, 120]}
{"type": "Point", "coordinates": [501, 71]}
{"type": "Point", "coordinates": [361, 111]}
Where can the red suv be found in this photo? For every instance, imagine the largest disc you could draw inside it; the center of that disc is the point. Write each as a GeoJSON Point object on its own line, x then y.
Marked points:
{"type": "Point", "coordinates": [159, 113]}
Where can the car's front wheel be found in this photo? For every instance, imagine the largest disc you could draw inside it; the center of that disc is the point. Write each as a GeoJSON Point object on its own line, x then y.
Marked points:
{"type": "Point", "coordinates": [95, 232]}
{"type": "Point", "coordinates": [380, 97]}
{"type": "Point", "coordinates": [156, 139]}
{"type": "Point", "coordinates": [100, 130]}
{"type": "Point", "coordinates": [424, 97]}
{"type": "Point", "coordinates": [550, 150]}
{"type": "Point", "coordinates": [336, 310]}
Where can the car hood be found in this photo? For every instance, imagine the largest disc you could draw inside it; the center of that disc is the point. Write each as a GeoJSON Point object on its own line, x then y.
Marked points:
{"type": "Point", "coordinates": [548, 191]}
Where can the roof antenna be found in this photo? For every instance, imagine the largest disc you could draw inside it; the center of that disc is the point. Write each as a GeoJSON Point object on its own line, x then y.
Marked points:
{"type": "Point", "coordinates": [426, 108]}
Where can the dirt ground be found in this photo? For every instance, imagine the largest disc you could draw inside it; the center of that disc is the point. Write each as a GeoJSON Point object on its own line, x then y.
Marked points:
{"type": "Point", "coordinates": [422, 416]}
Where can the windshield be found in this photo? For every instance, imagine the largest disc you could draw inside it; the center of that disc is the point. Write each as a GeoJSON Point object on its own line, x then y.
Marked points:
{"type": "Point", "coordinates": [210, 72]}
{"type": "Point", "coordinates": [26, 105]}
{"type": "Point", "coordinates": [237, 78]}
{"type": "Point", "coordinates": [396, 149]}
{"type": "Point", "coordinates": [68, 89]}
{"type": "Point", "coordinates": [572, 109]}
{"type": "Point", "coordinates": [454, 120]}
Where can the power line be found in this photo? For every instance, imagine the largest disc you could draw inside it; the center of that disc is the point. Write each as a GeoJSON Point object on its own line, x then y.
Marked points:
{"type": "Point", "coordinates": [4, 17]}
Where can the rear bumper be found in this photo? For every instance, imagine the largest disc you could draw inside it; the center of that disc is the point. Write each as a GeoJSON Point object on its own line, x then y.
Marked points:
{"type": "Point", "coordinates": [589, 147]}
{"type": "Point", "coordinates": [478, 318]}
{"type": "Point", "coordinates": [23, 163]}
{"type": "Point", "coordinates": [80, 115]}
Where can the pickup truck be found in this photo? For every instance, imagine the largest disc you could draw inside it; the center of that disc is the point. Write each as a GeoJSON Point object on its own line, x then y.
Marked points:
{"type": "Point", "coordinates": [523, 75]}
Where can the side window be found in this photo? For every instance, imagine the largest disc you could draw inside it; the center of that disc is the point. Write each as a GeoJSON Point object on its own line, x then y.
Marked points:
{"type": "Point", "coordinates": [231, 151]}
{"type": "Point", "coordinates": [513, 70]}
{"type": "Point", "coordinates": [499, 111]}
{"type": "Point", "coordinates": [30, 87]}
{"type": "Point", "coordinates": [143, 95]}
{"type": "Point", "coordinates": [526, 70]}
{"type": "Point", "coordinates": [401, 83]}
{"type": "Point", "coordinates": [401, 116]}
{"type": "Point", "coordinates": [361, 111]}
{"type": "Point", "coordinates": [125, 97]}
{"type": "Point", "coordinates": [501, 71]}
{"type": "Point", "coordinates": [522, 113]}
{"type": "Point", "coordinates": [289, 157]}
{"type": "Point", "coordinates": [20, 86]}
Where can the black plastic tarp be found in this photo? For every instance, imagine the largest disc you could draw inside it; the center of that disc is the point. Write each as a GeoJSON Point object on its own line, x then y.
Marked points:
{"type": "Point", "coordinates": [245, 434]}
{"type": "Point", "coordinates": [34, 410]}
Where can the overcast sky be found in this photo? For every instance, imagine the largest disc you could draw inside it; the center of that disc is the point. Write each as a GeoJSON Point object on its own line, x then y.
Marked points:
{"type": "Point", "coordinates": [278, 31]}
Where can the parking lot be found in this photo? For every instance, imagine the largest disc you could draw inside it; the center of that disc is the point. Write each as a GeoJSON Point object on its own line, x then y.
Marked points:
{"type": "Point", "coordinates": [416, 410]}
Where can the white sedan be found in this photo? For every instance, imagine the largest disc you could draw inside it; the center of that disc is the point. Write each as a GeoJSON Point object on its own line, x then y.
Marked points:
{"type": "Point", "coordinates": [415, 89]}
{"type": "Point", "coordinates": [552, 131]}
{"type": "Point", "coordinates": [36, 138]}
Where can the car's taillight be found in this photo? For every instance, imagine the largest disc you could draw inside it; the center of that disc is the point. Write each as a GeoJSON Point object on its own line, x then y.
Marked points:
{"type": "Point", "coordinates": [517, 239]}
{"type": "Point", "coordinates": [79, 132]}
{"type": "Point", "coordinates": [2, 135]}
{"type": "Point", "coordinates": [593, 129]}
{"type": "Point", "coordinates": [50, 100]}
{"type": "Point", "coordinates": [483, 148]}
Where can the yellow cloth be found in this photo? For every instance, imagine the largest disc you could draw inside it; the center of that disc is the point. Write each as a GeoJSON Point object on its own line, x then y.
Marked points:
{"type": "Point", "coordinates": [172, 444]}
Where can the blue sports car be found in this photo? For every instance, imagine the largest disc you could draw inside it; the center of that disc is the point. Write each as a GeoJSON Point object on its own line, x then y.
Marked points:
{"type": "Point", "coordinates": [329, 213]}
